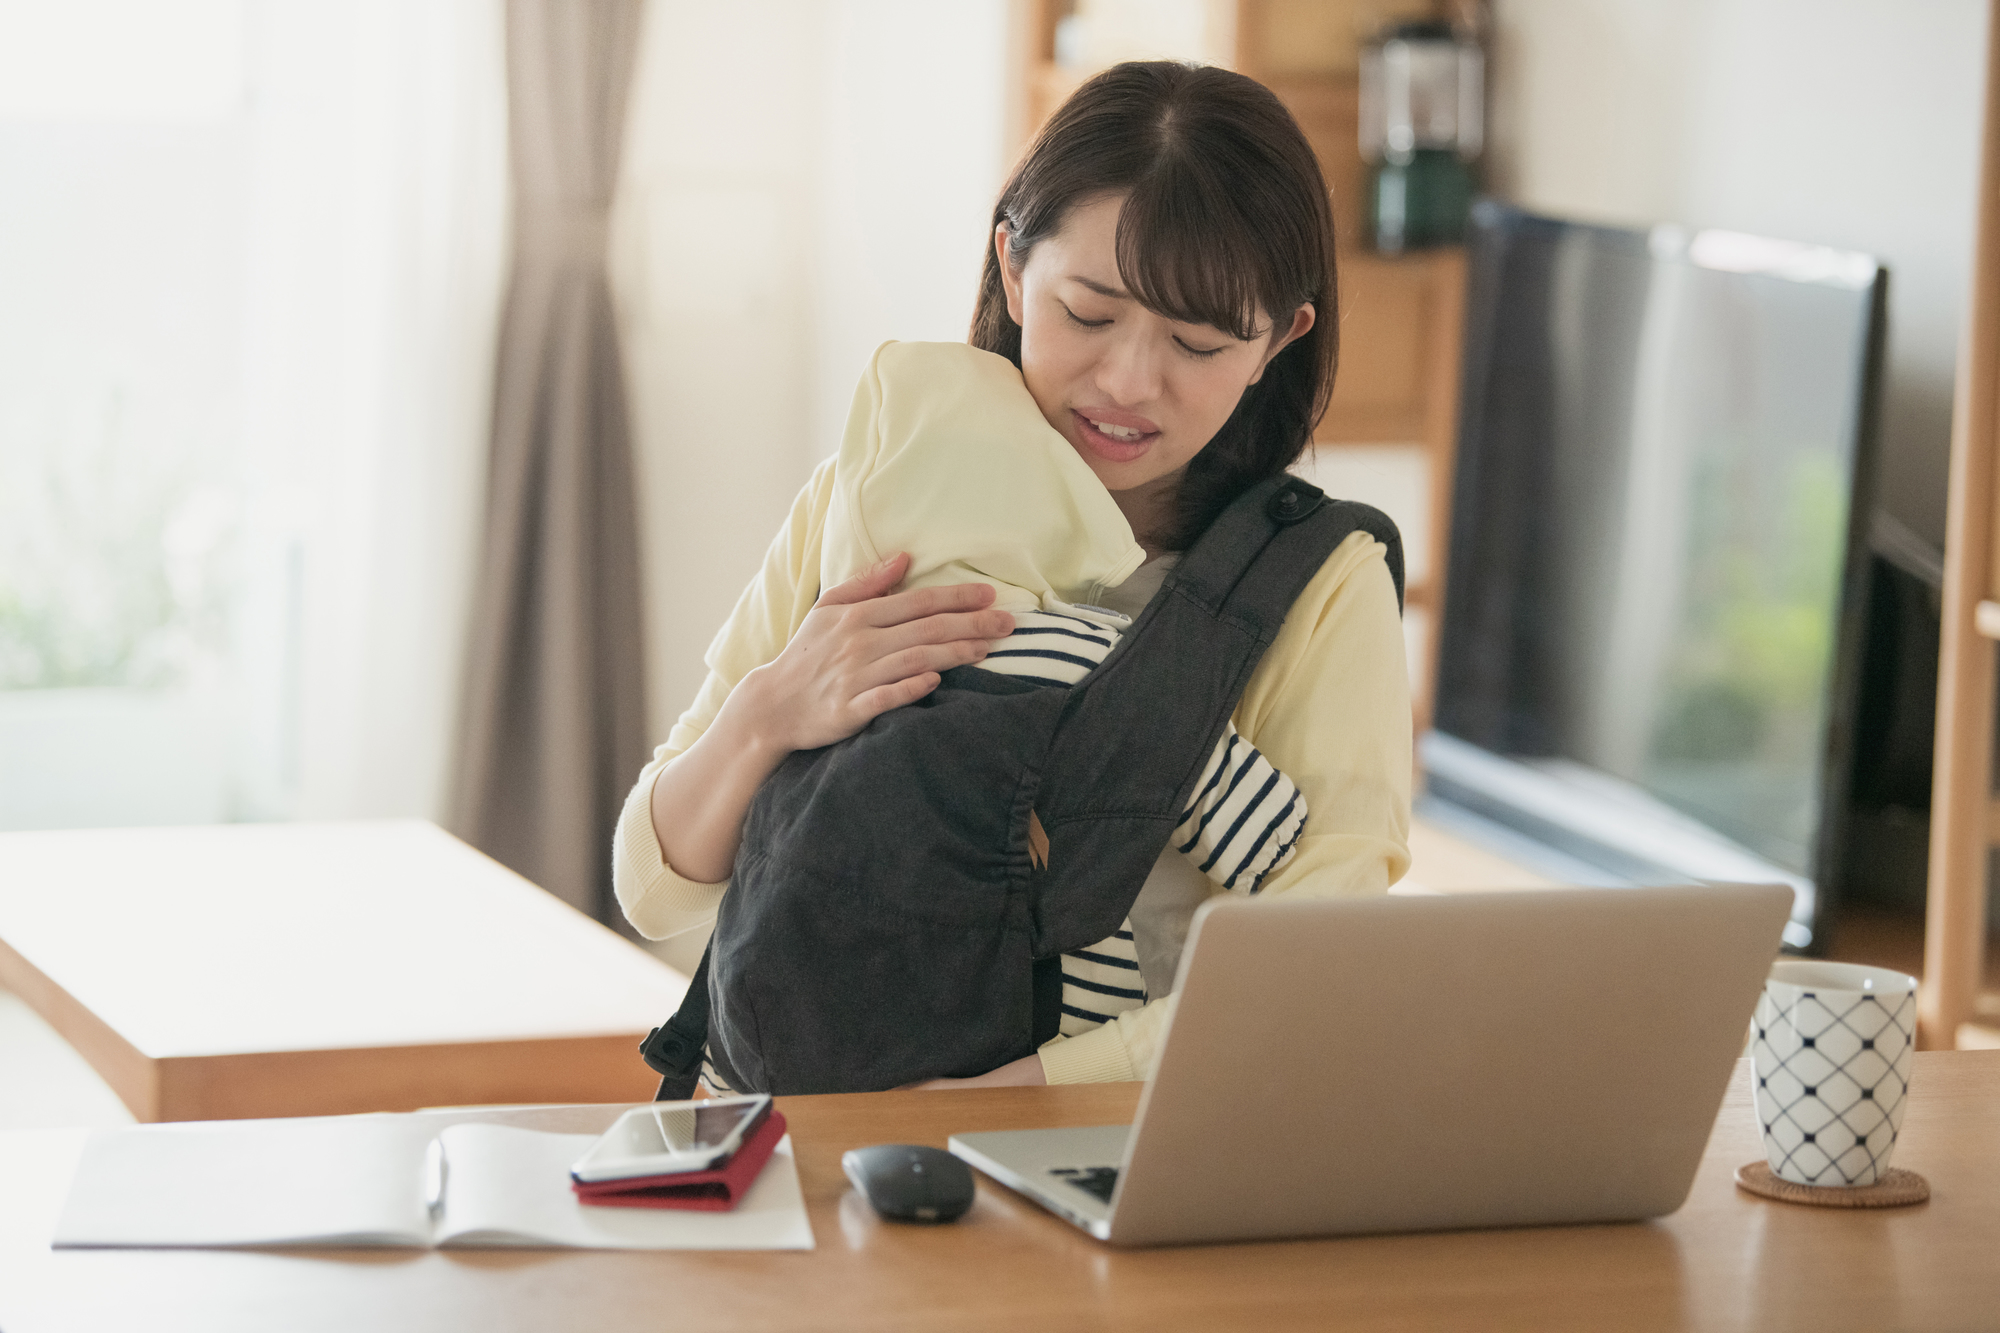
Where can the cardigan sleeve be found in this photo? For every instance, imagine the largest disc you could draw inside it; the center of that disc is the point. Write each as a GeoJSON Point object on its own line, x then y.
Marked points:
{"type": "Point", "coordinates": [1329, 705]}
{"type": "Point", "coordinates": [656, 900]}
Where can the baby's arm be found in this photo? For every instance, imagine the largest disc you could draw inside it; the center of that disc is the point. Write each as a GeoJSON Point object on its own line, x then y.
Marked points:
{"type": "Point", "coordinates": [1244, 817]}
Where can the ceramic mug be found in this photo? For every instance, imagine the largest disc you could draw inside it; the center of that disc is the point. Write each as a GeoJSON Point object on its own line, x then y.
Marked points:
{"type": "Point", "coordinates": [1831, 1055]}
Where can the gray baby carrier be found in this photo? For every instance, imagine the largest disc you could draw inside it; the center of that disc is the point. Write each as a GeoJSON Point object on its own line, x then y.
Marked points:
{"type": "Point", "coordinates": [886, 922]}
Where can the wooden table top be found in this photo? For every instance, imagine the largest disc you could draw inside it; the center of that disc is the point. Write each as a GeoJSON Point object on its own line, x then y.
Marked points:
{"type": "Point", "coordinates": [1726, 1260]}
{"type": "Point", "coordinates": [266, 969]}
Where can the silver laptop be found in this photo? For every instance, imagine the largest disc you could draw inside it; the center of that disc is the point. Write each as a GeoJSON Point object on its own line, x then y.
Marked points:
{"type": "Point", "coordinates": [1421, 1063]}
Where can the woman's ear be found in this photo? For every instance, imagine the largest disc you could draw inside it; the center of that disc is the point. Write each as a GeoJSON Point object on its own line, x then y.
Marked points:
{"type": "Point", "coordinates": [1010, 281]}
{"type": "Point", "coordinates": [1302, 320]}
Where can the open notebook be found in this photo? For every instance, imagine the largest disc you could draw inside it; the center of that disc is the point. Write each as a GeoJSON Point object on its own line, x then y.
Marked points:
{"type": "Point", "coordinates": [363, 1180]}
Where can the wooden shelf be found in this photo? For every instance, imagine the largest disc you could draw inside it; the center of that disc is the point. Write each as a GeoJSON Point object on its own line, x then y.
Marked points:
{"type": "Point", "coordinates": [1963, 814]}
{"type": "Point", "coordinates": [1400, 325]}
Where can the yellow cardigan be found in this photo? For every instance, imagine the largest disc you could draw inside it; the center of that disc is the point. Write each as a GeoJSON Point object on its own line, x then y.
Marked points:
{"type": "Point", "coordinates": [1329, 705]}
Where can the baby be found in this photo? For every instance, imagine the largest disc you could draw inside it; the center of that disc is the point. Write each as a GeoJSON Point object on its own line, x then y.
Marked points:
{"type": "Point", "coordinates": [947, 457]}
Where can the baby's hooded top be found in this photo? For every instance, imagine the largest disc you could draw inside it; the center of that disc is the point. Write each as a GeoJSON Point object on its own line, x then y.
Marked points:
{"type": "Point", "coordinates": [948, 458]}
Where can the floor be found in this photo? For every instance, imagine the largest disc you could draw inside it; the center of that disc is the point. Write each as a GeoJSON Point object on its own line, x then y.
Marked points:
{"type": "Point", "coordinates": [44, 1084]}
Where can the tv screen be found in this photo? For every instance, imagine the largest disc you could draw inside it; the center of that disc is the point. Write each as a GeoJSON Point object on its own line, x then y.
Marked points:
{"type": "Point", "coordinates": [1652, 614]}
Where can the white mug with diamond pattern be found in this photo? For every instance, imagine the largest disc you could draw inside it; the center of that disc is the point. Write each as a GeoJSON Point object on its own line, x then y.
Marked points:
{"type": "Point", "coordinates": [1831, 1055]}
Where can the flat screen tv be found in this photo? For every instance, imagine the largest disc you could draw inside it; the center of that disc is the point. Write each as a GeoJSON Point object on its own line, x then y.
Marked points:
{"type": "Point", "coordinates": [1653, 612]}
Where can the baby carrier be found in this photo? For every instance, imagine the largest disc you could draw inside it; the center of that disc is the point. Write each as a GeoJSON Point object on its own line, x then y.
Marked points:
{"type": "Point", "coordinates": [887, 922]}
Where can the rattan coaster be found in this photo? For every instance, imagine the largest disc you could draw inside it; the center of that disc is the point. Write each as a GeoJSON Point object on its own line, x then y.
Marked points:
{"type": "Point", "coordinates": [1895, 1189]}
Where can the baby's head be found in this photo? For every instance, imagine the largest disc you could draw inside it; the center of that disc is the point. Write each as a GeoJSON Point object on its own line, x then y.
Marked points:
{"type": "Point", "coordinates": [947, 457]}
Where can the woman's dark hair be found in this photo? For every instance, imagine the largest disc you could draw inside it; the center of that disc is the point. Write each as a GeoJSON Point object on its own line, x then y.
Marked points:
{"type": "Point", "coordinates": [1226, 214]}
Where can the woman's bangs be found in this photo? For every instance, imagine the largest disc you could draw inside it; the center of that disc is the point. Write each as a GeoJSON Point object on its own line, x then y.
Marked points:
{"type": "Point", "coordinates": [1193, 259]}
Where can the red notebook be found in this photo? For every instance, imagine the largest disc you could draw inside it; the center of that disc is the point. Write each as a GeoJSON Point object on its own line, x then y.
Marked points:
{"type": "Point", "coordinates": [714, 1191]}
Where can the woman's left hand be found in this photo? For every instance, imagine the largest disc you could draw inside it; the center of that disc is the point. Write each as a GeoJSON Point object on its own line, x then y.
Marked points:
{"type": "Point", "coordinates": [1025, 1072]}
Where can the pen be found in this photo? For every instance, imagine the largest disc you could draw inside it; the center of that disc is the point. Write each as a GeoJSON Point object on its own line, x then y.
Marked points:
{"type": "Point", "coordinates": [434, 1176]}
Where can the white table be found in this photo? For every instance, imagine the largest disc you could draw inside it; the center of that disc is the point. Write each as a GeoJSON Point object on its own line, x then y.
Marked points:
{"type": "Point", "coordinates": [305, 969]}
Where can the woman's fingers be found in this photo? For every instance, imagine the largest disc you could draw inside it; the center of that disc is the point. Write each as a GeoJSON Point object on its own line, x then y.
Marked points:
{"type": "Point", "coordinates": [865, 650]}
{"type": "Point", "coordinates": [869, 583]}
{"type": "Point", "coordinates": [956, 611]}
{"type": "Point", "coordinates": [925, 658]}
{"type": "Point", "coordinates": [965, 626]}
{"type": "Point", "coordinates": [917, 603]}
{"type": "Point", "coordinates": [871, 704]}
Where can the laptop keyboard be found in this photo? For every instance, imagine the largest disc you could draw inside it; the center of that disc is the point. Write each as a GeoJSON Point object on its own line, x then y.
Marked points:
{"type": "Point", "coordinates": [1098, 1180]}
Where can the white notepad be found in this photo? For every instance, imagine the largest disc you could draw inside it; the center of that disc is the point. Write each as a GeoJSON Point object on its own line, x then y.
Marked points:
{"type": "Point", "coordinates": [361, 1180]}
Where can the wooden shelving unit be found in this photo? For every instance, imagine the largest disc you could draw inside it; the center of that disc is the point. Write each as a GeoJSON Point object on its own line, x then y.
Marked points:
{"type": "Point", "coordinates": [1954, 1007]}
{"type": "Point", "coordinates": [1402, 317]}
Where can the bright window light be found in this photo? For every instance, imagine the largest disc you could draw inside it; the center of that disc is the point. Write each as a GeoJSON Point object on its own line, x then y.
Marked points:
{"type": "Point", "coordinates": [121, 60]}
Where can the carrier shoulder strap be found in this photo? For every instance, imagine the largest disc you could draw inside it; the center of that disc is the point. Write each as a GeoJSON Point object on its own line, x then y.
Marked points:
{"type": "Point", "coordinates": [1258, 555]}
{"type": "Point", "coordinates": [1137, 732]}
{"type": "Point", "coordinates": [1225, 601]}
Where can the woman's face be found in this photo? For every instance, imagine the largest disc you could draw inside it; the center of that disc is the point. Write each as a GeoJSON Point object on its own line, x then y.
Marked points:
{"type": "Point", "coordinates": [1136, 394]}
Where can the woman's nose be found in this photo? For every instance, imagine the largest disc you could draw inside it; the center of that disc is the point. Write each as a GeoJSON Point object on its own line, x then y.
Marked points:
{"type": "Point", "coordinates": [1129, 373]}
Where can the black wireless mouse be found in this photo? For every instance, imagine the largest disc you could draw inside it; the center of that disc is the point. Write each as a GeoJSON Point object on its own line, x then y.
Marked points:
{"type": "Point", "coordinates": [910, 1182]}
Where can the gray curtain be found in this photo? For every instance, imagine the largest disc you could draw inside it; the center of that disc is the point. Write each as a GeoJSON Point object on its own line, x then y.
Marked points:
{"type": "Point", "coordinates": [553, 729]}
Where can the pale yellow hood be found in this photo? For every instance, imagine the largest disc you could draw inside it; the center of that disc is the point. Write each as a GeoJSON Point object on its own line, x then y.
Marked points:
{"type": "Point", "coordinates": [947, 457]}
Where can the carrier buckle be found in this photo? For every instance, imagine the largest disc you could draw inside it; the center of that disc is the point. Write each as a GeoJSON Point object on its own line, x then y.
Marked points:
{"type": "Point", "coordinates": [1293, 501]}
{"type": "Point", "coordinates": [668, 1052]}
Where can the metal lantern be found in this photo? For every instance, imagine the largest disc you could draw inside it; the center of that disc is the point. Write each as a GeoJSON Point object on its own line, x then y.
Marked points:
{"type": "Point", "coordinates": [1422, 127]}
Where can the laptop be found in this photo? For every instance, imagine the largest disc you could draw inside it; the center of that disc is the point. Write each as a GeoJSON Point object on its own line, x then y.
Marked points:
{"type": "Point", "coordinates": [1421, 1063]}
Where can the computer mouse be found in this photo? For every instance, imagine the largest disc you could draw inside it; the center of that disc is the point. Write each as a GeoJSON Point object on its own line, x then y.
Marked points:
{"type": "Point", "coordinates": [910, 1182]}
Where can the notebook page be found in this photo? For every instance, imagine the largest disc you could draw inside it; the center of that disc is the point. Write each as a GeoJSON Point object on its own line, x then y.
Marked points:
{"type": "Point", "coordinates": [511, 1187]}
{"type": "Point", "coordinates": [328, 1180]}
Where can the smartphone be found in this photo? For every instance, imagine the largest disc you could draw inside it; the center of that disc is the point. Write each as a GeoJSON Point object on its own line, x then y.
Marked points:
{"type": "Point", "coordinates": [667, 1138]}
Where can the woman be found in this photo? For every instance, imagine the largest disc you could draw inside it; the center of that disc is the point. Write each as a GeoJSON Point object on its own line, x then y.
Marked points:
{"type": "Point", "coordinates": [1159, 264]}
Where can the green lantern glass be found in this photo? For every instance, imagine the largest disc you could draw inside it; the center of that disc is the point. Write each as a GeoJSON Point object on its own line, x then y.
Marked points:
{"type": "Point", "coordinates": [1422, 202]}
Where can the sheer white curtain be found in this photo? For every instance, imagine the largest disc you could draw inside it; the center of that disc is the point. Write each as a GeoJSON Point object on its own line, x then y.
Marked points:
{"type": "Point", "coordinates": [375, 288]}
{"type": "Point", "coordinates": [250, 265]}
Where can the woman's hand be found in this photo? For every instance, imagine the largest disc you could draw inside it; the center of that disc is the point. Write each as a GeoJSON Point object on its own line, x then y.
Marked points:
{"type": "Point", "coordinates": [862, 652]}
{"type": "Point", "coordinates": [1026, 1072]}
{"type": "Point", "coordinates": [859, 653]}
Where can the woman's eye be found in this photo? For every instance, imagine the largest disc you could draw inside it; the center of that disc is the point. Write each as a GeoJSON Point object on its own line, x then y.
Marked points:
{"type": "Point", "coordinates": [1079, 320]}
{"type": "Point", "coordinates": [1199, 353]}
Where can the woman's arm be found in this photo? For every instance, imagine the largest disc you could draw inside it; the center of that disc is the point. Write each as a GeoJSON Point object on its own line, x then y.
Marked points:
{"type": "Point", "coordinates": [859, 653]}
{"type": "Point", "coordinates": [769, 615]}
{"type": "Point", "coordinates": [1330, 706]}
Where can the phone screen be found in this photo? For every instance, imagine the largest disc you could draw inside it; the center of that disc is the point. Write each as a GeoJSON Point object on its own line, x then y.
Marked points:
{"type": "Point", "coordinates": [669, 1138]}
{"type": "Point", "coordinates": [651, 1133]}
{"type": "Point", "coordinates": [685, 1129]}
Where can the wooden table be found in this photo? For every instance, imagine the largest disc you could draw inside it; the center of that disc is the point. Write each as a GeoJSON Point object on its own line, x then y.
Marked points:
{"type": "Point", "coordinates": [307, 969]}
{"type": "Point", "coordinates": [1724, 1261]}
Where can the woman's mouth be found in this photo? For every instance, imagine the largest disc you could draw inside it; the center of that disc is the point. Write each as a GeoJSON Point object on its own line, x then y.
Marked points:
{"type": "Point", "coordinates": [1113, 440]}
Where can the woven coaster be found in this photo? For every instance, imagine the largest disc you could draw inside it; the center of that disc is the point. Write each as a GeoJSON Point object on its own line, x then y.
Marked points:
{"type": "Point", "coordinates": [1895, 1189]}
